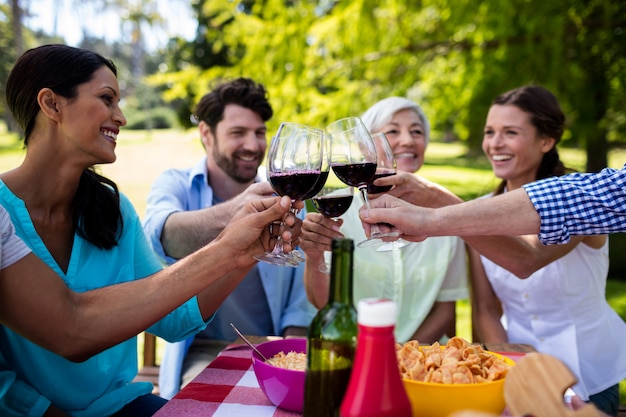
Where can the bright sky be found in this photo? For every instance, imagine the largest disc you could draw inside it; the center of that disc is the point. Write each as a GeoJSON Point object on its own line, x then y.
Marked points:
{"type": "Point", "coordinates": [65, 18]}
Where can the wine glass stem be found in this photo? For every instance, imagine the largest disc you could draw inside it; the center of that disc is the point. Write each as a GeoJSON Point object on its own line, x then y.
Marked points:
{"type": "Point", "coordinates": [278, 247]}
{"type": "Point", "coordinates": [374, 230]}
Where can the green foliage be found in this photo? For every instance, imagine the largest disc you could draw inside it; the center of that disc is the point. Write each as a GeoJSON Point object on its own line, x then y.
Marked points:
{"type": "Point", "coordinates": [155, 118]}
{"type": "Point", "coordinates": [322, 60]}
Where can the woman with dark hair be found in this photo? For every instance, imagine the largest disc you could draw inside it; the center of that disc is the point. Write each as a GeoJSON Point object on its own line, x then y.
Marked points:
{"type": "Point", "coordinates": [76, 221]}
{"type": "Point", "coordinates": [559, 306]}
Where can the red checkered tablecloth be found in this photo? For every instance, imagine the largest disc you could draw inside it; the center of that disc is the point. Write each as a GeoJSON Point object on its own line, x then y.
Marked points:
{"type": "Point", "coordinates": [227, 387]}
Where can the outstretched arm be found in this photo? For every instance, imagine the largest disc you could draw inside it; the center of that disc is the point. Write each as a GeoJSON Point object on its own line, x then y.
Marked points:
{"type": "Point", "coordinates": [36, 303]}
{"type": "Point", "coordinates": [508, 214]}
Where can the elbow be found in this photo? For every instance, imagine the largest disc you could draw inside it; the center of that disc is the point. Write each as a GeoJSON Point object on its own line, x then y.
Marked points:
{"type": "Point", "coordinates": [71, 351]}
{"type": "Point", "coordinates": [78, 357]}
{"type": "Point", "coordinates": [77, 350]}
{"type": "Point", "coordinates": [75, 347]}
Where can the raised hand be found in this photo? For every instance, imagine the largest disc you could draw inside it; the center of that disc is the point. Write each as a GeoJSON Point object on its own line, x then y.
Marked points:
{"type": "Point", "coordinates": [253, 192]}
{"type": "Point", "coordinates": [317, 234]}
{"type": "Point", "coordinates": [404, 218]}
{"type": "Point", "coordinates": [418, 190]}
{"type": "Point", "coordinates": [248, 234]}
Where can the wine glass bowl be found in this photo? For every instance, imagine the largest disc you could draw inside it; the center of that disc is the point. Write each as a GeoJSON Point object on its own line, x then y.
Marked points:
{"type": "Point", "coordinates": [332, 202]}
{"type": "Point", "coordinates": [385, 165]}
{"type": "Point", "coordinates": [324, 170]}
{"type": "Point", "coordinates": [354, 160]}
{"type": "Point", "coordinates": [294, 164]}
{"type": "Point", "coordinates": [353, 153]}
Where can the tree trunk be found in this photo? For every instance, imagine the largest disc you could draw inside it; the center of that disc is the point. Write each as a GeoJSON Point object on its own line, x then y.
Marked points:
{"type": "Point", "coordinates": [17, 14]}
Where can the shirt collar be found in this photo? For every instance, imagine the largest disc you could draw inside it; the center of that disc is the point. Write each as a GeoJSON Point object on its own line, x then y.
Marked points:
{"type": "Point", "coordinates": [201, 172]}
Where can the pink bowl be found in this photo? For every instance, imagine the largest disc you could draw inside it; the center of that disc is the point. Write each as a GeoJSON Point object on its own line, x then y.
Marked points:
{"type": "Point", "coordinates": [283, 387]}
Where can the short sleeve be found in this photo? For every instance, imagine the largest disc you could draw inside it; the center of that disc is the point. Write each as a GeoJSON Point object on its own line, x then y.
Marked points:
{"type": "Point", "coordinates": [12, 248]}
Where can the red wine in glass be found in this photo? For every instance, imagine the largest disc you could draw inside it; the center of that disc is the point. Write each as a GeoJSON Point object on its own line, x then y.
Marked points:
{"type": "Point", "coordinates": [319, 184]}
{"type": "Point", "coordinates": [354, 159]}
{"type": "Point", "coordinates": [294, 164]}
{"type": "Point", "coordinates": [375, 189]}
{"type": "Point", "coordinates": [332, 202]}
{"type": "Point", "coordinates": [332, 205]}
{"type": "Point", "coordinates": [295, 184]}
{"type": "Point", "coordinates": [356, 174]}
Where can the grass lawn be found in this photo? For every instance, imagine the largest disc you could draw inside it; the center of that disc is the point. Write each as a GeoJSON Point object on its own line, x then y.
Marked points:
{"type": "Point", "coordinates": [142, 156]}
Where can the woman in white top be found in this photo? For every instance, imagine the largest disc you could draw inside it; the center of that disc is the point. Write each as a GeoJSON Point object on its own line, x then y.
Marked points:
{"type": "Point", "coordinates": [426, 278]}
{"type": "Point", "coordinates": [552, 297]}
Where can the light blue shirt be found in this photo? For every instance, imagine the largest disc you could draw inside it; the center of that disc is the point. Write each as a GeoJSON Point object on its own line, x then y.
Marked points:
{"type": "Point", "coordinates": [178, 190]}
{"type": "Point", "coordinates": [31, 377]}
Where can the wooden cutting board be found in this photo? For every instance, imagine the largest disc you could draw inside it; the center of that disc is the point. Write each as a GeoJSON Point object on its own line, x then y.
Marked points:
{"type": "Point", "coordinates": [535, 386]}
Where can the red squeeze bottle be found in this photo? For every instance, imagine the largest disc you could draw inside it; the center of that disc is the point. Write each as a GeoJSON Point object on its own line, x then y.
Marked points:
{"type": "Point", "coordinates": [375, 388]}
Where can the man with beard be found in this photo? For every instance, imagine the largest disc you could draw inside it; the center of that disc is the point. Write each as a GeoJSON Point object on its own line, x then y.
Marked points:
{"type": "Point", "coordinates": [188, 208]}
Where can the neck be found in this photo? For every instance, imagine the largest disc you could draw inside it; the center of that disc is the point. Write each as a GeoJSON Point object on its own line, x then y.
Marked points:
{"type": "Point", "coordinates": [45, 184]}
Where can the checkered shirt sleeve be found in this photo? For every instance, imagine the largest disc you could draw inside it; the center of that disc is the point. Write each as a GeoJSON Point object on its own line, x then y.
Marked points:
{"type": "Point", "coordinates": [580, 204]}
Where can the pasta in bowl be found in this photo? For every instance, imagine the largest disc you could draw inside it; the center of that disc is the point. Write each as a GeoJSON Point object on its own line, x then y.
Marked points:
{"type": "Point", "coordinates": [440, 380]}
{"type": "Point", "coordinates": [283, 381]}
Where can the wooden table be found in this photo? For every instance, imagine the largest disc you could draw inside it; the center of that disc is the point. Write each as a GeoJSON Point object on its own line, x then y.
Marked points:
{"type": "Point", "coordinates": [228, 386]}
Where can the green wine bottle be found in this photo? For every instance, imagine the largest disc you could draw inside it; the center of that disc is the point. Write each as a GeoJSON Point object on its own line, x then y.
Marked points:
{"type": "Point", "coordinates": [331, 339]}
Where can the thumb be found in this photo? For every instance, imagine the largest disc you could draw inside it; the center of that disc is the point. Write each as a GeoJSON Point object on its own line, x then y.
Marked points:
{"type": "Point", "coordinates": [367, 215]}
{"type": "Point", "coordinates": [270, 209]}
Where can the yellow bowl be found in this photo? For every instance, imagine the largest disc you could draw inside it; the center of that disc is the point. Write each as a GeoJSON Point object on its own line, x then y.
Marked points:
{"type": "Point", "coordinates": [430, 399]}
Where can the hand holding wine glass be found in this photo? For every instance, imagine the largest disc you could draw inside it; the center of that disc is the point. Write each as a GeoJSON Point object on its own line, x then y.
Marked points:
{"type": "Point", "coordinates": [354, 161]}
{"type": "Point", "coordinates": [294, 165]}
{"type": "Point", "coordinates": [385, 166]}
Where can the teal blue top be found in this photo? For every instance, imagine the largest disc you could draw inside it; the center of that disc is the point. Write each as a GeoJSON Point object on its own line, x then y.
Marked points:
{"type": "Point", "coordinates": [31, 378]}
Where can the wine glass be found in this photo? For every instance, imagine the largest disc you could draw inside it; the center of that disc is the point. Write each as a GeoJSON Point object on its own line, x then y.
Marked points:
{"type": "Point", "coordinates": [332, 202]}
{"type": "Point", "coordinates": [319, 184]}
{"type": "Point", "coordinates": [385, 163]}
{"type": "Point", "coordinates": [385, 166]}
{"type": "Point", "coordinates": [294, 162]}
{"type": "Point", "coordinates": [324, 171]}
{"type": "Point", "coordinates": [353, 160]}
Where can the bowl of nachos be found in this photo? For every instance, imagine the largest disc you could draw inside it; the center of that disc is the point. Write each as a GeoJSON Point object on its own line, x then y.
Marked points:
{"type": "Point", "coordinates": [440, 380]}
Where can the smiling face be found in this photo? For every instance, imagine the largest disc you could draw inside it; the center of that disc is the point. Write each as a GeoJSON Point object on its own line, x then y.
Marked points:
{"type": "Point", "coordinates": [91, 121]}
{"type": "Point", "coordinates": [405, 133]}
{"type": "Point", "coordinates": [513, 146]}
{"type": "Point", "coordinates": [239, 144]}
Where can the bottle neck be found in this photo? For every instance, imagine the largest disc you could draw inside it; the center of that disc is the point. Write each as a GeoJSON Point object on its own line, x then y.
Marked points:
{"type": "Point", "coordinates": [341, 273]}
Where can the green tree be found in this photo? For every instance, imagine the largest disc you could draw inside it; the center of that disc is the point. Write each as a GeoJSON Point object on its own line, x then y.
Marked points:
{"type": "Point", "coordinates": [323, 60]}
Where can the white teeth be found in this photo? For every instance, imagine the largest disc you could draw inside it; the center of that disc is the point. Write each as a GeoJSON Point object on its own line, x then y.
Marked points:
{"type": "Point", "coordinates": [499, 158]}
{"type": "Point", "coordinates": [109, 134]}
{"type": "Point", "coordinates": [405, 155]}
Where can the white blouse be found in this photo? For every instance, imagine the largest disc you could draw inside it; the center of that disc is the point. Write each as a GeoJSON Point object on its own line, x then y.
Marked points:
{"type": "Point", "coordinates": [562, 310]}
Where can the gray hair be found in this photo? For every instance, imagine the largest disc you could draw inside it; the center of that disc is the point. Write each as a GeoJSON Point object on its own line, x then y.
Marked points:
{"type": "Point", "coordinates": [383, 111]}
